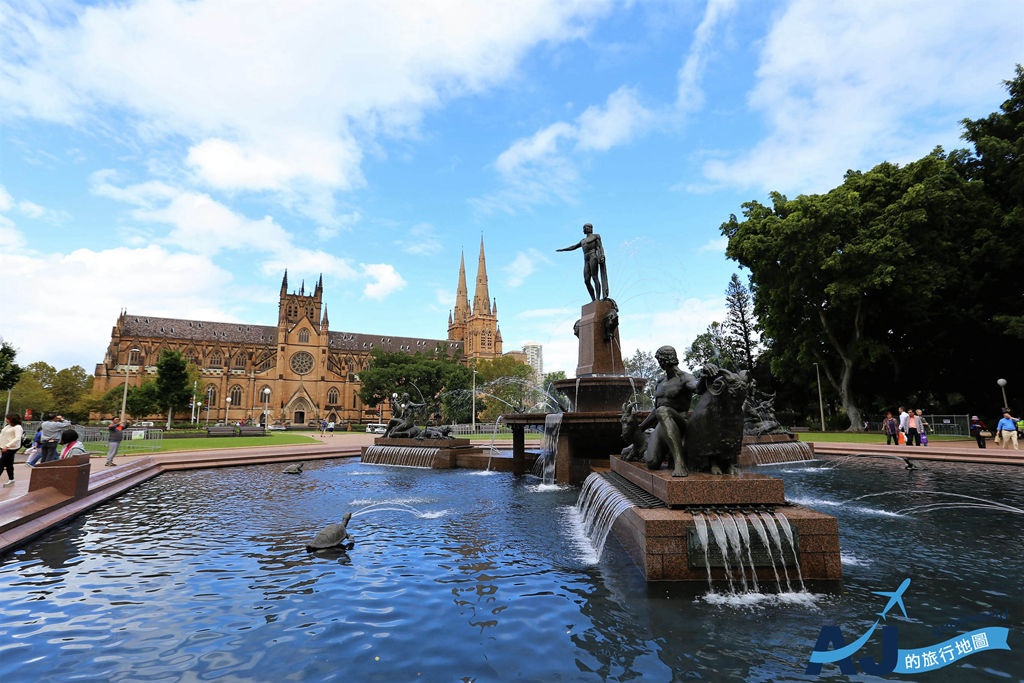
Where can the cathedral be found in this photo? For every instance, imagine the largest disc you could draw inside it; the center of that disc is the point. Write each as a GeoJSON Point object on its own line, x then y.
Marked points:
{"type": "Point", "coordinates": [299, 370]}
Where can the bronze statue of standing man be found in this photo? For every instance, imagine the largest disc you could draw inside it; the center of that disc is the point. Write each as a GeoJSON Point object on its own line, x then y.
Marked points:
{"type": "Point", "coordinates": [595, 272]}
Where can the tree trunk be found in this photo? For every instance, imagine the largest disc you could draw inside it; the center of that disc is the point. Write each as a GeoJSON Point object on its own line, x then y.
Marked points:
{"type": "Point", "coordinates": [170, 413]}
{"type": "Point", "coordinates": [846, 355]}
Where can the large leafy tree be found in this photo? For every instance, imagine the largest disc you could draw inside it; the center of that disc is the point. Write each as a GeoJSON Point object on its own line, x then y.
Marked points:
{"type": "Point", "coordinates": [68, 387]}
{"type": "Point", "coordinates": [998, 162]}
{"type": "Point", "coordinates": [173, 385]}
{"type": "Point", "coordinates": [426, 377]}
{"type": "Point", "coordinates": [643, 365]}
{"type": "Point", "coordinates": [30, 393]}
{"type": "Point", "coordinates": [10, 372]}
{"type": "Point", "coordinates": [856, 279]}
{"type": "Point", "coordinates": [507, 381]}
{"type": "Point", "coordinates": [710, 346]}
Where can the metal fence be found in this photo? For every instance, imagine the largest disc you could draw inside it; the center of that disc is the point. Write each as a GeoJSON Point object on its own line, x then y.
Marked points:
{"type": "Point", "coordinates": [482, 428]}
{"type": "Point", "coordinates": [948, 425]}
{"type": "Point", "coordinates": [134, 440]}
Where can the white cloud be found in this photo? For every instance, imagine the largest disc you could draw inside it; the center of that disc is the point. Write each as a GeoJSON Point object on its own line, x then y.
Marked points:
{"type": "Point", "coordinates": [150, 280]}
{"type": "Point", "coordinates": [384, 280]}
{"type": "Point", "coordinates": [284, 101]}
{"type": "Point", "coordinates": [6, 200]}
{"type": "Point", "coordinates": [676, 327]}
{"type": "Point", "coordinates": [847, 85]}
{"type": "Point", "coordinates": [538, 168]}
{"type": "Point", "coordinates": [28, 209]}
{"type": "Point", "coordinates": [717, 244]}
{"type": "Point", "coordinates": [523, 266]}
{"type": "Point", "coordinates": [689, 95]}
{"type": "Point", "coordinates": [422, 240]}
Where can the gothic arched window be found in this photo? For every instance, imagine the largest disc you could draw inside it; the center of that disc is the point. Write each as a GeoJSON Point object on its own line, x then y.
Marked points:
{"type": "Point", "coordinates": [211, 395]}
{"type": "Point", "coordinates": [303, 336]}
{"type": "Point", "coordinates": [193, 358]}
{"type": "Point", "coordinates": [215, 360]}
{"type": "Point", "coordinates": [332, 397]}
{"type": "Point", "coordinates": [240, 361]}
{"type": "Point", "coordinates": [236, 395]}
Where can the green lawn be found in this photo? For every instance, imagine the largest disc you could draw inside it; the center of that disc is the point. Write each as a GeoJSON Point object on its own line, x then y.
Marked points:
{"type": "Point", "coordinates": [866, 437]}
{"type": "Point", "coordinates": [207, 443]}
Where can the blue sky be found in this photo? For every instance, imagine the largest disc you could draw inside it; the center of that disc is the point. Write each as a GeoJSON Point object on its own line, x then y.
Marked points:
{"type": "Point", "coordinates": [173, 158]}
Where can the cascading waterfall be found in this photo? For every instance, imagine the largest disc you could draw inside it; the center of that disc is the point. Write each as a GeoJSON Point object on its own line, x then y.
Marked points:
{"type": "Point", "coordinates": [784, 523]}
{"type": "Point", "coordinates": [400, 456]}
{"type": "Point", "coordinates": [599, 505]}
{"type": "Point", "coordinates": [755, 522]}
{"type": "Point", "coordinates": [544, 466]}
{"type": "Point", "coordinates": [718, 531]}
{"type": "Point", "coordinates": [702, 536]}
{"type": "Point", "coordinates": [780, 452]}
{"type": "Point", "coordinates": [741, 525]}
{"type": "Point", "coordinates": [733, 535]}
{"type": "Point", "coordinates": [769, 523]}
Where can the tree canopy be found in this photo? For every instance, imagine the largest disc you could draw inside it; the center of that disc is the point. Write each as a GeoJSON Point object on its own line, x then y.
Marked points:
{"type": "Point", "coordinates": [903, 282]}
{"type": "Point", "coordinates": [10, 372]}
{"type": "Point", "coordinates": [424, 376]}
{"type": "Point", "coordinates": [173, 384]}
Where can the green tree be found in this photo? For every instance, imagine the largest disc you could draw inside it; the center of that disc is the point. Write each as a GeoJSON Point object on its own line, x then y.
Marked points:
{"type": "Point", "coordinates": [427, 378]}
{"type": "Point", "coordinates": [144, 399]}
{"type": "Point", "coordinates": [30, 394]}
{"type": "Point", "coordinates": [998, 162]}
{"type": "Point", "coordinates": [44, 373]}
{"type": "Point", "coordinates": [740, 324]}
{"type": "Point", "coordinates": [10, 372]}
{"type": "Point", "coordinates": [643, 365]}
{"type": "Point", "coordinates": [173, 388]}
{"type": "Point", "coordinates": [711, 346]}
{"type": "Point", "coordinates": [854, 279]}
{"type": "Point", "coordinates": [67, 388]}
{"type": "Point", "coordinates": [507, 380]}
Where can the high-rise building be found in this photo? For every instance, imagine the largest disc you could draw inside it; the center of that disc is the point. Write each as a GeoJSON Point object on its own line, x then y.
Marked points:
{"type": "Point", "coordinates": [535, 358]}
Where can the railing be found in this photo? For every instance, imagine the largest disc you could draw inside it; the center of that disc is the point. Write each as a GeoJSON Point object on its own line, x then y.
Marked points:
{"type": "Point", "coordinates": [133, 439]}
{"type": "Point", "coordinates": [482, 428]}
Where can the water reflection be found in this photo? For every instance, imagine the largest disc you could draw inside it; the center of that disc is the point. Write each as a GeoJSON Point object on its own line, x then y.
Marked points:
{"type": "Point", "coordinates": [205, 574]}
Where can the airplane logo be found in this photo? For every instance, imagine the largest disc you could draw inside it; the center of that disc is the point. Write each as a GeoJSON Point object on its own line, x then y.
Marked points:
{"type": "Point", "coordinates": [895, 598]}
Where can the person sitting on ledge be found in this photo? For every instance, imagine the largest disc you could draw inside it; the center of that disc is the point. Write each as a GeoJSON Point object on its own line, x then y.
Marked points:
{"type": "Point", "coordinates": [671, 403]}
{"type": "Point", "coordinates": [71, 445]}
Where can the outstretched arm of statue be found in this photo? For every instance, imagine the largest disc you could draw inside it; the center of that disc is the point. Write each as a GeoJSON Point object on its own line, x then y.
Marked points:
{"type": "Point", "coordinates": [575, 246]}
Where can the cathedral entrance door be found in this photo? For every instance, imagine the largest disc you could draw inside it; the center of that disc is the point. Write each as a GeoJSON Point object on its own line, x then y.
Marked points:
{"type": "Point", "coordinates": [300, 417]}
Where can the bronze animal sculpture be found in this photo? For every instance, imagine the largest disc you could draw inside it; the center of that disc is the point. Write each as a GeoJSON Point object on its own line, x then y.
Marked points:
{"type": "Point", "coordinates": [332, 535]}
{"type": "Point", "coordinates": [635, 437]}
{"type": "Point", "coordinates": [714, 432]}
{"type": "Point", "coordinates": [295, 468]}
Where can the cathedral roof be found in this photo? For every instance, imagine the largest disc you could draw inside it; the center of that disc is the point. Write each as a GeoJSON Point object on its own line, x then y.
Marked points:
{"type": "Point", "coordinates": [238, 333]}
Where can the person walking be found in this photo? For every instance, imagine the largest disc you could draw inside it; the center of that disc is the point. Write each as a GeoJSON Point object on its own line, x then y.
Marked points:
{"type": "Point", "coordinates": [891, 428]}
{"type": "Point", "coordinates": [10, 442]}
{"type": "Point", "coordinates": [904, 417]}
{"type": "Point", "coordinates": [330, 427]}
{"type": "Point", "coordinates": [1006, 431]}
{"type": "Point", "coordinates": [913, 436]}
{"type": "Point", "coordinates": [977, 427]}
{"type": "Point", "coordinates": [71, 445]}
{"type": "Point", "coordinates": [922, 427]}
{"type": "Point", "coordinates": [50, 438]}
{"type": "Point", "coordinates": [115, 432]}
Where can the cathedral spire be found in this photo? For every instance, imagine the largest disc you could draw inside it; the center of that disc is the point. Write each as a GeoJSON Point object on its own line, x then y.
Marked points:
{"type": "Point", "coordinates": [284, 282]}
{"type": "Point", "coordinates": [461, 294]}
{"type": "Point", "coordinates": [482, 299]}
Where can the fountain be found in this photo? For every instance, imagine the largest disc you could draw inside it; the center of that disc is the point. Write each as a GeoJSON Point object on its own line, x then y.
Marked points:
{"type": "Point", "coordinates": [406, 445]}
{"type": "Point", "coordinates": [702, 448]}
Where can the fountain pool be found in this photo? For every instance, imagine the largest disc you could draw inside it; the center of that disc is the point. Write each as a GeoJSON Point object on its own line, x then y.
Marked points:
{"type": "Point", "coordinates": [203, 575]}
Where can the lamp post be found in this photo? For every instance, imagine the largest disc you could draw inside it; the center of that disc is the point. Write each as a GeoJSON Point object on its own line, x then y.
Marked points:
{"type": "Point", "coordinates": [209, 401]}
{"type": "Point", "coordinates": [124, 395]}
{"type": "Point", "coordinates": [227, 409]}
{"type": "Point", "coordinates": [474, 402]}
{"type": "Point", "coordinates": [1002, 385]}
{"type": "Point", "coordinates": [821, 403]}
{"type": "Point", "coordinates": [266, 407]}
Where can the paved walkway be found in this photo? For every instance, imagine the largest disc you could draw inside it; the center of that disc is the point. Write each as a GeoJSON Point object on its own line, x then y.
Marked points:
{"type": "Point", "coordinates": [943, 451]}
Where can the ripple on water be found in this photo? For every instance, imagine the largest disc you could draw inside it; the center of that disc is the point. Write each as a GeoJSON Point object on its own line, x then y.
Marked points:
{"type": "Point", "coordinates": [204, 574]}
